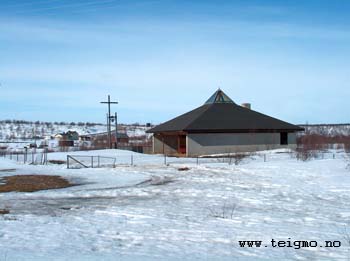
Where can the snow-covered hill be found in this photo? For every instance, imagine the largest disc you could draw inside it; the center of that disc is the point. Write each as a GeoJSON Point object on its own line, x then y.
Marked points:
{"type": "Point", "coordinates": [10, 130]}
{"type": "Point", "coordinates": [327, 129]}
{"type": "Point", "coordinates": [22, 130]}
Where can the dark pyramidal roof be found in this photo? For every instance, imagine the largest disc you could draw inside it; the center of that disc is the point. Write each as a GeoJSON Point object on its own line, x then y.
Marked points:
{"type": "Point", "coordinates": [221, 114]}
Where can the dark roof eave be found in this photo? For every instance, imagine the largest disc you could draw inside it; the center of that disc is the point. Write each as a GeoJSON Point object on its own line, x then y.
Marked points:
{"type": "Point", "coordinates": [231, 130]}
{"type": "Point", "coordinates": [244, 131]}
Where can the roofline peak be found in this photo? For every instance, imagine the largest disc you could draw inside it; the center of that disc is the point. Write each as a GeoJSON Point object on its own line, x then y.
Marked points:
{"type": "Point", "coordinates": [219, 97]}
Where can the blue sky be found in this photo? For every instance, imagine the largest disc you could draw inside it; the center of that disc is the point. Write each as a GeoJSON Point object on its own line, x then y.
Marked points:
{"type": "Point", "coordinates": [60, 58]}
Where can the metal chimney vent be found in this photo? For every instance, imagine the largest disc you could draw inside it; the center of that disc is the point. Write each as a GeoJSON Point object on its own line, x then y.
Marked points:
{"type": "Point", "coordinates": [246, 105]}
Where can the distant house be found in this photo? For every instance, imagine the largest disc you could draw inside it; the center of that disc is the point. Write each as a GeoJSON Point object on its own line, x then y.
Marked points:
{"type": "Point", "coordinates": [123, 138]}
{"type": "Point", "coordinates": [67, 139]}
{"type": "Point", "coordinates": [85, 137]}
{"type": "Point", "coordinates": [72, 135]}
{"type": "Point", "coordinates": [222, 126]}
{"type": "Point", "coordinates": [58, 136]}
{"type": "Point", "coordinates": [100, 140]}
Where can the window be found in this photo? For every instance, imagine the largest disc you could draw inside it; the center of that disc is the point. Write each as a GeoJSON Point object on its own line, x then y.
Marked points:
{"type": "Point", "coordinates": [284, 138]}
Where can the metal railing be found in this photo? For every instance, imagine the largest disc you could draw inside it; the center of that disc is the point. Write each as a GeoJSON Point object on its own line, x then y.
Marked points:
{"type": "Point", "coordinates": [31, 156]}
{"type": "Point", "coordinates": [85, 161]}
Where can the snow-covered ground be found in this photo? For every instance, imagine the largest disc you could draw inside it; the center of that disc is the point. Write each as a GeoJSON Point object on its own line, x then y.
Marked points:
{"type": "Point", "coordinates": [152, 211]}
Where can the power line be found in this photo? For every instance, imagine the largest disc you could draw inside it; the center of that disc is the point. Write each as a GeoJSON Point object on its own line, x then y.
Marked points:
{"type": "Point", "coordinates": [92, 6]}
{"type": "Point", "coordinates": [31, 3]}
{"type": "Point", "coordinates": [105, 7]}
{"type": "Point", "coordinates": [94, 3]}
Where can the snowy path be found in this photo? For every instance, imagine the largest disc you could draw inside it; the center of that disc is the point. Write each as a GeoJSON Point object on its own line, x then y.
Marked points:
{"type": "Point", "coordinates": [200, 215]}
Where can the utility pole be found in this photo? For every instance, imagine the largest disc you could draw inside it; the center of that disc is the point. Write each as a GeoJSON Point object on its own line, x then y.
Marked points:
{"type": "Point", "coordinates": [116, 130]}
{"type": "Point", "coordinates": [108, 133]}
{"type": "Point", "coordinates": [115, 120]}
{"type": "Point", "coordinates": [109, 117]}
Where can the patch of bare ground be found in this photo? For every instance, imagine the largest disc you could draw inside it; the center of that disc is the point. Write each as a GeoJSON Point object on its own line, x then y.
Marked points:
{"type": "Point", "coordinates": [4, 211]}
{"type": "Point", "coordinates": [59, 162]}
{"type": "Point", "coordinates": [32, 183]}
{"type": "Point", "coordinates": [7, 170]}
